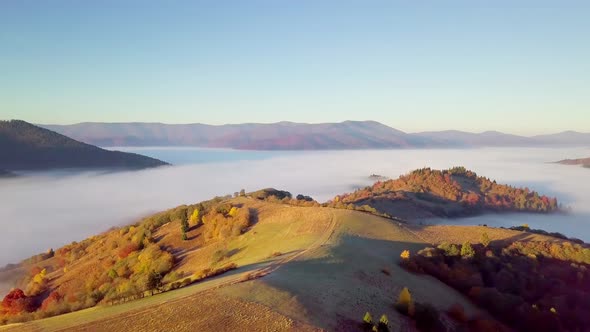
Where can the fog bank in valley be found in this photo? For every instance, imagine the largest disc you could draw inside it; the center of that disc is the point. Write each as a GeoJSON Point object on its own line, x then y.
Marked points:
{"type": "Point", "coordinates": [46, 211]}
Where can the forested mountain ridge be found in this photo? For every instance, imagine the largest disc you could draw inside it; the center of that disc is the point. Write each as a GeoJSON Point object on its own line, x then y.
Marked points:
{"type": "Point", "coordinates": [24, 146]}
{"type": "Point", "coordinates": [298, 136]}
{"type": "Point", "coordinates": [249, 136]}
{"type": "Point", "coordinates": [432, 193]}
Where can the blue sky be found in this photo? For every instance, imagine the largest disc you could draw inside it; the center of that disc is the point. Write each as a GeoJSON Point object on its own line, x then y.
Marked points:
{"type": "Point", "coordinates": [515, 66]}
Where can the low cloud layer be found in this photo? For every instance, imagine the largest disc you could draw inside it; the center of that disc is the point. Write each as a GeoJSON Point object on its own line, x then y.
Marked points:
{"type": "Point", "coordinates": [44, 211]}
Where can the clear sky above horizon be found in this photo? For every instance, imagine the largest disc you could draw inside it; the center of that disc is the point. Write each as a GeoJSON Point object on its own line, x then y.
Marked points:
{"type": "Point", "coordinates": [515, 66]}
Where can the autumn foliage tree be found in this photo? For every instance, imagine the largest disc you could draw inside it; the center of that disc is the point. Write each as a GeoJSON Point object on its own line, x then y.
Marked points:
{"type": "Point", "coordinates": [467, 250]}
{"type": "Point", "coordinates": [38, 283]}
{"type": "Point", "coordinates": [16, 302]}
{"type": "Point", "coordinates": [153, 281]}
{"type": "Point", "coordinates": [53, 298]}
{"type": "Point", "coordinates": [405, 254]}
{"type": "Point", "coordinates": [404, 302]}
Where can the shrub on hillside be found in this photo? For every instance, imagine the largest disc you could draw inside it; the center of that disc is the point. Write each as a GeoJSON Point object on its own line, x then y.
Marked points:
{"type": "Point", "coordinates": [519, 283]}
{"type": "Point", "coordinates": [16, 302]}
{"type": "Point", "coordinates": [404, 303]}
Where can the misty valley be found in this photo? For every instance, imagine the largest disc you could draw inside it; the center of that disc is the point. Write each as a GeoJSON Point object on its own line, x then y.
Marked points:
{"type": "Point", "coordinates": [117, 215]}
{"type": "Point", "coordinates": [73, 205]}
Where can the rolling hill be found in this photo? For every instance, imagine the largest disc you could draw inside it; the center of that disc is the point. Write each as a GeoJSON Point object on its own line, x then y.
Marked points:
{"type": "Point", "coordinates": [257, 261]}
{"type": "Point", "coordinates": [24, 146]}
{"type": "Point", "coordinates": [299, 268]}
{"type": "Point", "coordinates": [298, 136]}
{"type": "Point", "coordinates": [456, 192]}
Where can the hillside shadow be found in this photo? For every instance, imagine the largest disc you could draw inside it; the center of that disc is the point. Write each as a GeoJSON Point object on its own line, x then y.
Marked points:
{"type": "Point", "coordinates": [349, 280]}
{"type": "Point", "coordinates": [253, 216]}
{"type": "Point", "coordinates": [192, 237]}
{"type": "Point", "coordinates": [522, 237]}
{"type": "Point", "coordinates": [361, 274]}
{"type": "Point", "coordinates": [233, 252]}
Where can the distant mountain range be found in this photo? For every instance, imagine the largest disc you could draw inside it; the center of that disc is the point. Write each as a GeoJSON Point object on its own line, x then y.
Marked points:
{"type": "Point", "coordinates": [298, 136]}
{"type": "Point", "coordinates": [24, 146]}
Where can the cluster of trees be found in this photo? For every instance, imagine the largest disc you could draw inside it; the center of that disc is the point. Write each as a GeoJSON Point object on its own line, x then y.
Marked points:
{"type": "Point", "coordinates": [381, 326]}
{"type": "Point", "coordinates": [129, 263]}
{"type": "Point", "coordinates": [120, 264]}
{"type": "Point", "coordinates": [338, 204]}
{"type": "Point", "coordinates": [15, 303]}
{"type": "Point", "coordinates": [225, 220]}
{"type": "Point", "coordinates": [563, 251]}
{"type": "Point", "coordinates": [458, 187]}
{"type": "Point", "coordinates": [283, 197]}
{"type": "Point", "coordinates": [528, 286]}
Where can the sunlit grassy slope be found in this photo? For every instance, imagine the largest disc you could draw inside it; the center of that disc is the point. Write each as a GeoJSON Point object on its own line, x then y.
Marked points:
{"type": "Point", "coordinates": [280, 233]}
{"type": "Point", "coordinates": [324, 269]}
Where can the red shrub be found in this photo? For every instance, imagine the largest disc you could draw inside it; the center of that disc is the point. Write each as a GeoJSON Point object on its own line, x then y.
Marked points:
{"type": "Point", "coordinates": [53, 298]}
{"type": "Point", "coordinates": [128, 249]}
{"type": "Point", "coordinates": [16, 302]}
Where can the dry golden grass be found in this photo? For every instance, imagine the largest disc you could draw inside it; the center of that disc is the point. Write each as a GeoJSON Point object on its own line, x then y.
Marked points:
{"type": "Point", "coordinates": [202, 312]}
{"type": "Point", "coordinates": [437, 234]}
{"type": "Point", "coordinates": [333, 285]}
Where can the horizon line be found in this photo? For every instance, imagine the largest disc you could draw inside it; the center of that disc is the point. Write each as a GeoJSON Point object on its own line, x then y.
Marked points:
{"type": "Point", "coordinates": [313, 123]}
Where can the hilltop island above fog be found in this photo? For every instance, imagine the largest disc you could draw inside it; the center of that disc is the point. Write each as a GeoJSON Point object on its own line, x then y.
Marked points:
{"type": "Point", "coordinates": [585, 162]}
{"type": "Point", "coordinates": [26, 147]}
{"type": "Point", "coordinates": [457, 192]}
{"type": "Point", "coordinates": [343, 256]}
{"type": "Point", "coordinates": [299, 136]}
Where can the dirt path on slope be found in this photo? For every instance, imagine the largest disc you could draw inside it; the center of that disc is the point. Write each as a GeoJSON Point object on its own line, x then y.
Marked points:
{"type": "Point", "coordinates": [202, 310]}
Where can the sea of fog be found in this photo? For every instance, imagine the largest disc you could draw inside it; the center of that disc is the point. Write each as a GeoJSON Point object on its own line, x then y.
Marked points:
{"type": "Point", "coordinates": [49, 210]}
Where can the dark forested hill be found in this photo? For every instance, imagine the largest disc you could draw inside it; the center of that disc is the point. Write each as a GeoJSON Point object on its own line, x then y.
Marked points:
{"type": "Point", "coordinates": [455, 192]}
{"type": "Point", "coordinates": [24, 146]}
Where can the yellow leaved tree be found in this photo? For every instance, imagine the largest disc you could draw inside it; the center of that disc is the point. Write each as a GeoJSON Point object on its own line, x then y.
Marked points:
{"type": "Point", "coordinates": [405, 254]}
{"type": "Point", "coordinates": [404, 302]}
{"type": "Point", "coordinates": [233, 211]}
{"type": "Point", "coordinates": [195, 218]}
{"type": "Point", "coordinates": [40, 277]}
